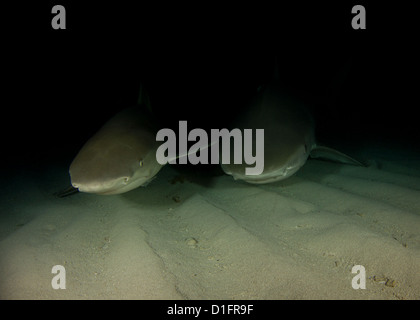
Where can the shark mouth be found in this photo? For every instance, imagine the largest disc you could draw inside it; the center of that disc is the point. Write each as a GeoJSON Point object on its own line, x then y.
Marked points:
{"type": "Point", "coordinates": [270, 175]}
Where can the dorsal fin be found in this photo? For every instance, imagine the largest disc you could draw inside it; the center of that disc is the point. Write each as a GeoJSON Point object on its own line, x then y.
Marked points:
{"type": "Point", "coordinates": [276, 76]}
{"type": "Point", "coordinates": [144, 99]}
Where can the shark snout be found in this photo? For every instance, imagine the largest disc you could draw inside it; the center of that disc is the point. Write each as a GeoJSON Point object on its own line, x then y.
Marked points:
{"type": "Point", "coordinates": [103, 187]}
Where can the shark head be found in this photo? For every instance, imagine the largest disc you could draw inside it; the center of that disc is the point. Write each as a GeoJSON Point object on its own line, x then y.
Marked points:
{"type": "Point", "coordinates": [285, 152]}
{"type": "Point", "coordinates": [289, 135]}
{"type": "Point", "coordinates": [117, 171]}
{"type": "Point", "coordinates": [120, 157]}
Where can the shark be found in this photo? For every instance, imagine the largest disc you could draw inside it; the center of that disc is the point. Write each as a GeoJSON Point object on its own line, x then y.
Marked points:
{"type": "Point", "coordinates": [289, 136]}
{"type": "Point", "coordinates": [120, 157]}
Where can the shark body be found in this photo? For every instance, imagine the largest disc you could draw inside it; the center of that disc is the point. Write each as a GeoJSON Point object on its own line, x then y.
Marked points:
{"type": "Point", "coordinates": [289, 136]}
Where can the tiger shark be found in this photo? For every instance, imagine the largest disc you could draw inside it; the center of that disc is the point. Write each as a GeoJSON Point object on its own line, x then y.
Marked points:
{"type": "Point", "coordinates": [120, 157]}
{"type": "Point", "coordinates": [289, 136]}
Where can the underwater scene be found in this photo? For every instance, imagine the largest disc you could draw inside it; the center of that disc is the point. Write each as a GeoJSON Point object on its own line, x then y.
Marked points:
{"type": "Point", "coordinates": [156, 153]}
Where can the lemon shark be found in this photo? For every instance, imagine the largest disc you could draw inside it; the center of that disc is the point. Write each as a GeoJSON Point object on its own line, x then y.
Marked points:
{"type": "Point", "coordinates": [120, 157]}
{"type": "Point", "coordinates": [289, 136]}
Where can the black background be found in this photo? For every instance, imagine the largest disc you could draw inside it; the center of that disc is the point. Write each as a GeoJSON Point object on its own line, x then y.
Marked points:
{"type": "Point", "coordinates": [201, 61]}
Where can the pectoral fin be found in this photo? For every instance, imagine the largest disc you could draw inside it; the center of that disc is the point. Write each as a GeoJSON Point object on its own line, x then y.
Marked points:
{"type": "Point", "coordinates": [67, 192]}
{"type": "Point", "coordinates": [325, 153]}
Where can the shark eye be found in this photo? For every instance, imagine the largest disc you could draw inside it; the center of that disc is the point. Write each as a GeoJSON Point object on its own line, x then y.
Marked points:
{"type": "Point", "coordinates": [141, 162]}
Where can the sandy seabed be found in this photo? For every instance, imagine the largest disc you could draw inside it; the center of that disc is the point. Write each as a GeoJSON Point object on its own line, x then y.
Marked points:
{"type": "Point", "coordinates": [193, 236]}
